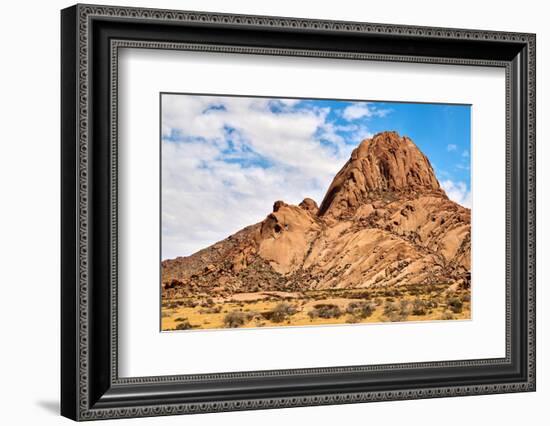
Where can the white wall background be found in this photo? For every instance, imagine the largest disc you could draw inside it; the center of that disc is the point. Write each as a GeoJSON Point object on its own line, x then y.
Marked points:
{"type": "Point", "coordinates": [29, 212]}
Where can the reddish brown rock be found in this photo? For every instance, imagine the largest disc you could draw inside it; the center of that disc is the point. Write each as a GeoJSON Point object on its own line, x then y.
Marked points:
{"type": "Point", "coordinates": [309, 205]}
{"type": "Point", "coordinates": [277, 205]}
{"type": "Point", "coordinates": [386, 164]}
{"type": "Point", "coordinates": [385, 221]}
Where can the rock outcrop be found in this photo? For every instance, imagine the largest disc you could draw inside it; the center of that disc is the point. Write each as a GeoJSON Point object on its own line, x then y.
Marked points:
{"type": "Point", "coordinates": [384, 221]}
{"type": "Point", "coordinates": [386, 165]}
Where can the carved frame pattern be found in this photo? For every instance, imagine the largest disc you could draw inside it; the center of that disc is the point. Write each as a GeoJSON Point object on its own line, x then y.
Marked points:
{"type": "Point", "coordinates": [85, 13]}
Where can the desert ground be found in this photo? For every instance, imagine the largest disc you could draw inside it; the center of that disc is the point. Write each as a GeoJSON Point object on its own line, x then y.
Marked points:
{"type": "Point", "coordinates": [386, 244]}
{"type": "Point", "coordinates": [346, 306]}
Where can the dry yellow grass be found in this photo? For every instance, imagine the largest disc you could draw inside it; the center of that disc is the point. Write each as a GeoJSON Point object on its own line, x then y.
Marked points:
{"type": "Point", "coordinates": [253, 310]}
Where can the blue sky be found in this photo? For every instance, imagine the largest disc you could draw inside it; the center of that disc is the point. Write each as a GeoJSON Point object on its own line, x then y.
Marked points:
{"type": "Point", "coordinates": [441, 131]}
{"type": "Point", "coordinates": [226, 159]}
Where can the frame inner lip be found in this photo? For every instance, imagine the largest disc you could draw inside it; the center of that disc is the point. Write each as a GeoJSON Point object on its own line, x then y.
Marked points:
{"type": "Point", "coordinates": [115, 45]}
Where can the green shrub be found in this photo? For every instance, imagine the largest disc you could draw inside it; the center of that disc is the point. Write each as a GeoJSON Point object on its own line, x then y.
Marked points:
{"type": "Point", "coordinates": [396, 311]}
{"type": "Point", "coordinates": [234, 319]}
{"type": "Point", "coordinates": [466, 297]}
{"type": "Point", "coordinates": [282, 311]}
{"type": "Point", "coordinates": [173, 305]}
{"type": "Point", "coordinates": [419, 307]}
{"type": "Point", "coordinates": [189, 303]}
{"type": "Point", "coordinates": [325, 310]}
{"type": "Point", "coordinates": [208, 303]}
{"type": "Point", "coordinates": [360, 309]}
{"type": "Point", "coordinates": [455, 304]}
{"type": "Point", "coordinates": [184, 324]}
{"type": "Point", "coordinates": [404, 308]}
{"type": "Point", "coordinates": [431, 304]}
{"type": "Point", "coordinates": [390, 307]}
{"type": "Point", "coordinates": [213, 310]}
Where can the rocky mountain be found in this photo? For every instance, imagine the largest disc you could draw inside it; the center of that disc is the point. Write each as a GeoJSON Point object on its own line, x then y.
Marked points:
{"type": "Point", "coordinates": [384, 221]}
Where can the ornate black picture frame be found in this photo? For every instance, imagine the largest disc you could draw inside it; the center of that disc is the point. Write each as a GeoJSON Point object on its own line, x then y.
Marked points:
{"type": "Point", "coordinates": [91, 387]}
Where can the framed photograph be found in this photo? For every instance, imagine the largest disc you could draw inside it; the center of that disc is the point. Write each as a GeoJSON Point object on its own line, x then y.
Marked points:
{"type": "Point", "coordinates": [263, 212]}
{"type": "Point", "coordinates": [387, 241]}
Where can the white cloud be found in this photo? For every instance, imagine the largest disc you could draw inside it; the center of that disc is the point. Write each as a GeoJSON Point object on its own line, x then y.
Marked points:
{"type": "Point", "coordinates": [360, 133]}
{"type": "Point", "coordinates": [362, 109]}
{"type": "Point", "coordinates": [289, 102]}
{"type": "Point", "coordinates": [465, 153]}
{"type": "Point", "coordinates": [205, 199]}
{"type": "Point", "coordinates": [451, 147]}
{"type": "Point", "coordinates": [458, 192]}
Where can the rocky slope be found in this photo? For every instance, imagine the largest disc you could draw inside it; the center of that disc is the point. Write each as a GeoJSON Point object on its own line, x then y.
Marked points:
{"type": "Point", "coordinates": [385, 221]}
